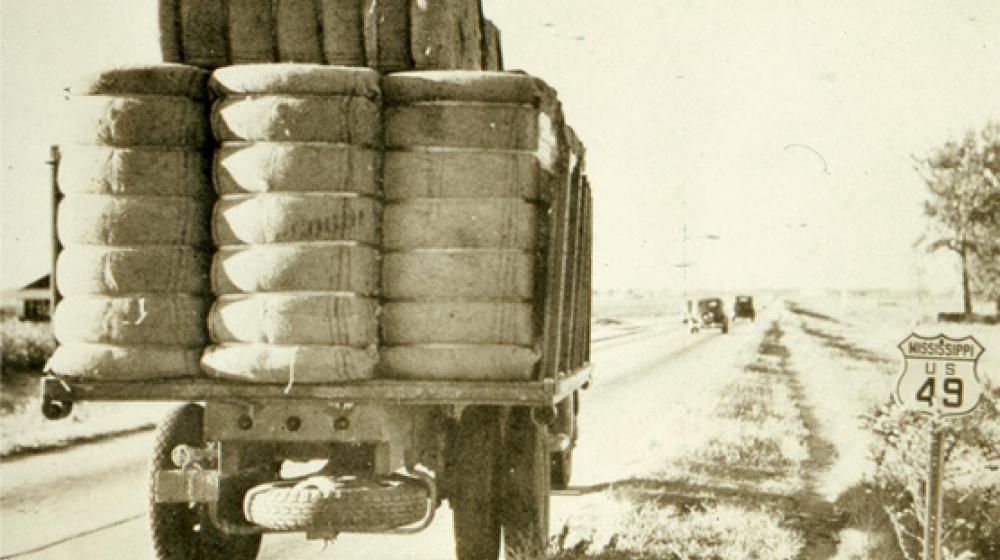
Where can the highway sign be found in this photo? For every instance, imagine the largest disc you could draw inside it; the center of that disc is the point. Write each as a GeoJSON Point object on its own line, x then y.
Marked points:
{"type": "Point", "coordinates": [939, 374]}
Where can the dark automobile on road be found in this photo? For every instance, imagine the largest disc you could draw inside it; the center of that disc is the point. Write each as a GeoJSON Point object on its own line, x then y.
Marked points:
{"type": "Point", "coordinates": [743, 308]}
{"type": "Point", "coordinates": [708, 313]}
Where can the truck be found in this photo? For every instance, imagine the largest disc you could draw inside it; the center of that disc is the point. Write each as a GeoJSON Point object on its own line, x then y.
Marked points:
{"type": "Point", "coordinates": [393, 450]}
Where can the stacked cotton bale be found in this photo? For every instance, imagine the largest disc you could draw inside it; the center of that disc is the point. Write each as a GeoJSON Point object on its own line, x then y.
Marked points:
{"type": "Point", "coordinates": [134, 223]}
{"type": "Point", "coordinates": [492, 50]}
{"type": "Point", "coordinates": [387, 35]}
{"type": "Point", "coordinates": [468, 156]}
{"type": "Point", "coordinates": [296, 224]}
{"type": "Point", "coordinates": [446, 34]}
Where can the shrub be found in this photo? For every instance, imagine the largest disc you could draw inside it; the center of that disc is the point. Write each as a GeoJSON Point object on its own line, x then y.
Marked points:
{"type": "Point", "coordinates": [26, 346]}
{"type": "Point", "coordinates": [971, 477]}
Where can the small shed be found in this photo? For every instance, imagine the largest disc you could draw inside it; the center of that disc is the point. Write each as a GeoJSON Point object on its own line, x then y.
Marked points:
{"type": "Point", "coordinates": [35, 300]}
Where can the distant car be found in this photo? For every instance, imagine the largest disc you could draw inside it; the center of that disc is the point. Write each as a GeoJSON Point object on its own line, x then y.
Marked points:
{"type": "Point", "coordinates": [708, 313]}
{"type": "Point", "coordinates": [743, 308]}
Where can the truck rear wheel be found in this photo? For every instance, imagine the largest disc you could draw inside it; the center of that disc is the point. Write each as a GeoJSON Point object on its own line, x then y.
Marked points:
{"type": "Point", "coordinates": [178, 531]}
{"type": "Point", "coordinates": [475, 481]}
{"type": "Point", "coordinates": [525, 507]}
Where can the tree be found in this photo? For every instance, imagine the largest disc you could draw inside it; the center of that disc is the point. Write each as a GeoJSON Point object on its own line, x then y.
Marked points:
{"type": "Point", "coordinates": [964, 181]}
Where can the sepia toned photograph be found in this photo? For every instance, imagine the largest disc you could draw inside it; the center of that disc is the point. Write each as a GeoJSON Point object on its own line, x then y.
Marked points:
{"type": "Point", "coordinates": [500, 279]}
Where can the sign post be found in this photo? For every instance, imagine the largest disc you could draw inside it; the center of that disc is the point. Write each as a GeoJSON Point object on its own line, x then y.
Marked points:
{"type": "Point", "coordinates": [939, 378]}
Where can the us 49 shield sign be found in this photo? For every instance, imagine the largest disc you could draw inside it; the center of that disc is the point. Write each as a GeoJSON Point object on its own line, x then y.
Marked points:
{"type": "Point", "coordinates": [939, 374]}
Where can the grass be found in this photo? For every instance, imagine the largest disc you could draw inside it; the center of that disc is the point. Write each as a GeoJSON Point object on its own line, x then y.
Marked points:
{"type": "Point", "coordinates": [23, 429]}
{"type": "Point", "coordinates": [725, 496]}
{"type": "Point", "coordinates": [713, 531]}
{"type": "Point", "coordinates": [26, 345]}
{"type": "Point", "coordinates": [859, 350]}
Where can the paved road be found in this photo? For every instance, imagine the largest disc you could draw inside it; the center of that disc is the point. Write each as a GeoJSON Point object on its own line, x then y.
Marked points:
{"type": "Point", "coordinates": [89, 501]}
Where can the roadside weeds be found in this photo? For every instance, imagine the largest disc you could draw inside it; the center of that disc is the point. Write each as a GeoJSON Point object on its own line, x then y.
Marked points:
{"type": "Point", "coordinates": [743, 490]}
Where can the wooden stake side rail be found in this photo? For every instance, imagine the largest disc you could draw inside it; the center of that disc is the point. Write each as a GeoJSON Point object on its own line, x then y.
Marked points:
{"type": "Point", "coordinates": [517, 393]}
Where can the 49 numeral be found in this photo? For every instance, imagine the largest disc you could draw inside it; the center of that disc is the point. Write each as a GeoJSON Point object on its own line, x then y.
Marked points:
{"type": "Point", "coordinates": [951, 388]}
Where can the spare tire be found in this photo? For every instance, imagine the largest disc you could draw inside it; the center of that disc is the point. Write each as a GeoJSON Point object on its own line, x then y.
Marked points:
{"type": "Point", "coordinates": [124, 363]}
{"type": "Point", "coordinates": [296, 118]}
{"type": "Point", "coordinates": [148, 319]}
{"type": "Point", "coordinates": [284, 218]}
{"type": "Point", "coordinates": [133, 171]}
{"type": "Point", "coordinates": [291, 318]}
{"type": "Point", "coordinates": [160, 79]}
{"type": "Point", "coordinates": [133, 220]}
{"type": "Point", "coordinates": [259, 167]}
{"type": "Point", "coordinates": [95, 269]}
{"type": "Point", "coordinates": [495, 126]}
{"type": "Point", "coordinates": [501, 223]}
{"type": "Point", "coordinates": [130, 121]}
{"type": "Point", "coordinates": [447, 173]}
{"type": "Point", "coordinates": [472, 274]}
{"type": "Point", "coordinates": [320, 267]}
{"type": "Point", "coordinates": [272, 364]}
{"type": "Point", "coordinates": [346, 504]}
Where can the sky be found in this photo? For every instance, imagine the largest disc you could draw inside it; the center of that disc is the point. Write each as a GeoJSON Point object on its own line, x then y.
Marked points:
{"type": "Point", "coordinates": [731, 145]}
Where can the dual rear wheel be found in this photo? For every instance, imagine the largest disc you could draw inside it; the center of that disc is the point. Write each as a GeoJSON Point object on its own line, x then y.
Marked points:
{"type": "Point", "coordinates": [180, 531]}
{"type": "Point", "coordinates": [500, 477]}
{"type": "Point", "coordinates": [500, 473]}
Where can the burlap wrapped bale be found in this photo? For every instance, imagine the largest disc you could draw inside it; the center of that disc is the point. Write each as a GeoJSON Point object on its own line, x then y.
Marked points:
{"type": "Point", "coordinates": [435, 36]}
{"type": "Point", "coordinates": [464, 86]}
{"type": "Point", "coordinates": [285, 218]}
{"type": "Point", "coordinates": [470, 14]}
{"type": "Point", "coordinates": [458, 173]}
{"type": "Point", "coordinates": [124, 363]}
{"type": "Point", "coordinates": [160, 79]}
{"type": "Point", "coordinates": [194, 32]}
{"type": "Point", "coordinates": [297, 118]}
{"type": "Point", "coordinates": [504, 126]}
{"type": "Point", "coordinates": [133, 171]}
{"type": "Point", "coordinates": [492, 47]}
{"type": "Point", "coordinates": [133, 220]}
{"type": "Point", "coordinates": [261, 167]}
{"type": "Point", "coordinates": [387, 35]}
{"type": "Point", "coordinates": [272, 364]}
{"type": "Point", "coordinates": [252, 29]}
{"type": "Point", "coordinates": [465, 322]}
{"type": "Point", "coordinates": [460, 223]}
{"type": "Point", "coordinates": [170, 30]}
{"type": "Point", "coordinates": [316, 267]}
{"type": "Point", "coordinates": [130, 121]}
{"type": "Point", "coordinates": [343, 32]}
{"type": "Point", "coordinates": [295, 79]}
{"type": "Point", "coordinates": [299, 30]}
{"type": "Point", "coordinates": [294, 318]}
{"type": "Point", "coordinates": [94, 269]}
{"type": "Point", "coordinates": [460, 362]}
{"type": "Point", "coordinates": [138, 319]}
{"type": "Point", "coordinates": [475, 274]}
